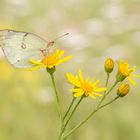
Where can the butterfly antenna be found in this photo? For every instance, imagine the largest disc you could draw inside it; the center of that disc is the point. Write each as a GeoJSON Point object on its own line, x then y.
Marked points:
{"type": "Point", "coordinates": [61, 36]}
{"type": "Point", "coordinates": [51, 43]}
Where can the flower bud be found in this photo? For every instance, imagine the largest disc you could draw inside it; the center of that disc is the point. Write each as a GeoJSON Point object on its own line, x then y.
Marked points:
{"type": "Point", "coordinates": [123, 90]}
{"type": "Point", "coordinates": [109, 65]}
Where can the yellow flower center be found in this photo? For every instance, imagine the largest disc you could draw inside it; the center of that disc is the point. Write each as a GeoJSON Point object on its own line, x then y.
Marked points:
{"type": "Point", "coordinates": [86, 87]}
{"type": "Point", "coordinates": [50, 60]}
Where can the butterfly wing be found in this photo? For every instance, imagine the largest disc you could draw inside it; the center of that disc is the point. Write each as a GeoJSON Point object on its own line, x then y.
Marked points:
{"type": "Point", "coordinates": [20, 47]}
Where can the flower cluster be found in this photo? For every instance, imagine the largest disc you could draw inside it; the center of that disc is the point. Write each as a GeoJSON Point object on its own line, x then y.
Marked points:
{"type": "Point", "coordinates": [81, 87]}
{"type": "Point", "coordinates": [86, 87]}
{"type": "Point", "coordinates": [124, 71]}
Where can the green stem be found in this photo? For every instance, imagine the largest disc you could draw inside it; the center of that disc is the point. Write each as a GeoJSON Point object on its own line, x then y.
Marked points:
{"type": "Point", "coordinates": [89, 116]}
{"type": "Point", "coordinates": [67, 112]}
{"type": "Point", "coordinates": [70, 106]}
{"type": "Point", "coordinates": [106, 93]}
{"type": "Point", "coordinates": [106, 84]}
{"type": "Point", "coordinates": [107, 79]}
{"type": "Point", "coordinates": [111, 88]}
{"type": "Point", "coordinates": [64, 127]}
{"type": "Point", "coordinates": [56, 95]}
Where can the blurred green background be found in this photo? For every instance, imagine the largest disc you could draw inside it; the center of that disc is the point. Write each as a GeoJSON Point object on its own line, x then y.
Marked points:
{"type": "Point", "coordinates": [98, 29]}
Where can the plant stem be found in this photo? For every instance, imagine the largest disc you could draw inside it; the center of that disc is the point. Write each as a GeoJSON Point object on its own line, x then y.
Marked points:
{"type": "Point", "coordinates": [107, 79]}
{"type": "Point", "coordinates": [70, 106]}
{"type": "Point", "coordinates": [89, 116]}
{"type": "Point", "coordinates": [106, 93]}
{"type": "Point", "coordinates": [106, 84]}
{"type": "Point", "coordinates": [64, 127]}
{"type": "Point", "coordinates": [111, 88]}
{"type": "Point", "coordinates": [56, 95]}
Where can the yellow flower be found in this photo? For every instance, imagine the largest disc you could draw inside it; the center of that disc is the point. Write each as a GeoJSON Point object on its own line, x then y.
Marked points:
{"type": "Point", "coordinates": [109, 65]}
{"type": "Point", "coordinates": [123, 90]}
{"type": "Point", "coordinates": [125, 71]}
{"type": "Point", "coordinates": [84, 87]}
{"type": "Point", "coordinates": [50, 60]}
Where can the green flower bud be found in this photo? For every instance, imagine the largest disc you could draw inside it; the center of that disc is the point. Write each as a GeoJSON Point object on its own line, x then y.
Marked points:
{"type": "Point", "coordinates": [109, 65]}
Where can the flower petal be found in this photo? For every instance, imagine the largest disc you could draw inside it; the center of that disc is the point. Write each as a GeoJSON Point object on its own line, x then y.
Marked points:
{"type": "Point", "coordinates": [76, 90]}
{"type": "Point", "coordinates": [73, 80]}
{"type": "Point", "coordinates": [95, 83]}
{"type": "Point", "coordinates": [131, 81]}
{"type": "Point", "coordinates": [135, 75]}
{"type": "Point", "coordinates": [98, 94]}
{"type": "Point", "coordinates": [32, 61]}
{"type": "Point", "coordinates": [78, 94]}
{"type": "Point", "coordinates": [80, 75]}
{"type": "Point", "coordinates": [60, 54]}
{"type": "Point", "coordinates": [100, 89]}
{"type": "Point", "coordinates": [63, 60]}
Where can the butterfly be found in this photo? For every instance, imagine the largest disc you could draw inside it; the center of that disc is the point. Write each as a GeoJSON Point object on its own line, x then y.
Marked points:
{"type": "Point", "coordinates": [19, 47]}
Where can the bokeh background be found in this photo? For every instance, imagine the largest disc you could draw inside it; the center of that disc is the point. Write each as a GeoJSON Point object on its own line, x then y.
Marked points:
{"type": "Point", "coordinates": [98, 29]}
